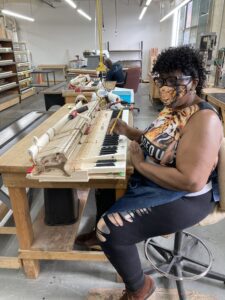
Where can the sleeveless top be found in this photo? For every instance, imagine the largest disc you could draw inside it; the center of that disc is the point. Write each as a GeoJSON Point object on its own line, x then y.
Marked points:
{"type": "Point", "coordinates": [163, 134]}
{"type": "Point", "coordinates": [156, 140]}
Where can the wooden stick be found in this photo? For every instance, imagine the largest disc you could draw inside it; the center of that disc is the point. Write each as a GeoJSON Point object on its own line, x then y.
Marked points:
{"type": "Point", "coordinates": [114, 124]}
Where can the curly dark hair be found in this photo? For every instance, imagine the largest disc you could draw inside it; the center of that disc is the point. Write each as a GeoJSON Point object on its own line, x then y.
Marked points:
{"type": "Point", "coordinates": [185, 59]}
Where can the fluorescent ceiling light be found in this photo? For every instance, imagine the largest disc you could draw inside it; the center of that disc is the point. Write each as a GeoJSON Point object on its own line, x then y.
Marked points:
{"type": "Point", "coordinates": [81, 12]}
{"type": "Point", "coordinates": [148, 2]}
{"type": "Point", "coordinates": [142, 12]}
{"type": "Point", "coordinates": [175, 9]}
{"type": "Point", "coordinates": [71, 3]}
{"type": "Point", "coordinates": [13, 14]}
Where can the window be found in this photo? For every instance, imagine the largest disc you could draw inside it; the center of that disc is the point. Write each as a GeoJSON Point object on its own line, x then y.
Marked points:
{"type": "Point", "coordinates": [194, 20]}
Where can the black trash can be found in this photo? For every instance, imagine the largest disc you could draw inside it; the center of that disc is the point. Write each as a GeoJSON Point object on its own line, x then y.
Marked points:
{"type": "Point", "coordinates": [60, 207]}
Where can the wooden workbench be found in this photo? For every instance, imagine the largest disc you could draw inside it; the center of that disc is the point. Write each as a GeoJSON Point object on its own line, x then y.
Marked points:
{"type": "Point", "coordinates": [38, 241]}
{"type": "Point", "coordinates": [62, 68]}
{"type": "Point", "coordinates": [216, 96]}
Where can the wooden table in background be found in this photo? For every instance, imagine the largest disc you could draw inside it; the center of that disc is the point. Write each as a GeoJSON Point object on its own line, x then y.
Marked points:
{"type": "Point", "coordinates": [62, 68]}
{"type": "Point", "coordinates": [216, 96]}
{"type": "Point", "coordinates": [38, 241]}
{"type": "Point", "coordinates": [75, 72]}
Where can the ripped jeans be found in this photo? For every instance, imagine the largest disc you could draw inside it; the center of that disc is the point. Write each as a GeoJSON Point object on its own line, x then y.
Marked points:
{"type": "Point", "coordinates": [118, 233]}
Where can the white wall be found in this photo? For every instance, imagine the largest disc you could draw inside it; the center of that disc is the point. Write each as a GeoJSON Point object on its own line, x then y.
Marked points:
{"type": "Point", "coordinates": [57, 35]}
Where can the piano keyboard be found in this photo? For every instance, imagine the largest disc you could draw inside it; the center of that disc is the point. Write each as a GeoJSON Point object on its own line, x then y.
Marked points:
{"type": "Point", "coordinates": [102, 152]}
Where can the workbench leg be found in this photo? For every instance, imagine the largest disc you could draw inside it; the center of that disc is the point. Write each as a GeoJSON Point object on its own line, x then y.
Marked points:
{"type": "Point", "coordinates": [31, 268]}
{"type": "Point", "coordinates": [24, 230]}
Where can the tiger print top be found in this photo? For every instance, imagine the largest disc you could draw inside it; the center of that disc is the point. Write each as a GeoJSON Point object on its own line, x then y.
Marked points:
{"type": "Point", "coordinates": [161, 138]}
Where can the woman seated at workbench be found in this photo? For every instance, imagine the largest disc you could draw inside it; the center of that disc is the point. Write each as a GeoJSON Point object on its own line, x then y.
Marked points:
{"type": "Point", "coordinates": [173, 158]}
{"type": "Point", "coordinates": [114, 72]}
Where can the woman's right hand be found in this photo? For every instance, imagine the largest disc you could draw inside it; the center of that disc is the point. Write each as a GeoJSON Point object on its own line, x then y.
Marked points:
{"type": "Point", "coordinates": [120, 127]}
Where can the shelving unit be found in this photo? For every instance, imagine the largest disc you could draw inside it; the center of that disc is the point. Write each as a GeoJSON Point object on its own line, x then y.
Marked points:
{"type": "Point", "coordinates": [9, 87]}
{"type": "Point", "coordinates": [23, 63]}
{"type": "Point", "coordinates": [127, 57]}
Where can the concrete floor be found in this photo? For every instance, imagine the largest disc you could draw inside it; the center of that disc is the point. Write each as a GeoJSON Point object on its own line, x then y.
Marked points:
{"type": "Point", "coordinates": [59, 280]}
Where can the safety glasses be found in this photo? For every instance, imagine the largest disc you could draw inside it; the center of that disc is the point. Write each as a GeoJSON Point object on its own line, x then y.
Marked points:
{"type": "Point", "coordinates": [172, 81]}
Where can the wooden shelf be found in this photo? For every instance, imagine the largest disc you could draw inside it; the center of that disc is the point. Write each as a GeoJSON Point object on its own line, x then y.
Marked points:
{"type": "Point", "coordinates": [55, 238]}
{"type": "Point", "coordinates": [25, 79]}
{"type": "Point", "coordinates": [129, 57]}
{"type": "Point", "coordinates": [2, 63]}
{"type": "Point", "coordinates": [9, 101]}
{"type": "Point", "coordinates": [23, 64]}
{"type": "Point", "coordinates": [18, 52]}
{"type": "Point", "coordinates": [8, 86]}
{"type": "Point", "coordinates": [27, 93]}
{"type": "Point", "coordinates": [5, 40]}
{"type": "Point", "coordinates": [5, 50]}
{"type": "Point", "coordinates": [24, 72]}
{"type": "Point", "coordinates": [9, 89]}
{"type": "Point", "coordinates": [2, 75]}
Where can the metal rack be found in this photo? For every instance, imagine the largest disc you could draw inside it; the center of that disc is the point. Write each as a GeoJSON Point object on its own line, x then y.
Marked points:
{"type": "Point", "coordinates": [128, 57]}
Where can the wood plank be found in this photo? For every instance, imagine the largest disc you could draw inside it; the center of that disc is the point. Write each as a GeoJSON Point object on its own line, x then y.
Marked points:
{"type": "Point", "coordinates": [31, 92]}
{"type": "Point", "coordinates": [21, 213]}
{"type": "Point", "coordinates": [70, 255]}
{"type": "Point", "coordinates": [57, 238]}
{"type": "Point", "coordinates": [52, 66]}
{"type": "Point", "coordinates": [9, 103]}
{"type": "Point", "coordinates": [81, 71]}
{"type": "Point", "coordinates": [31, 268]}
{"type": "Point", "coordinates": [12, 180]}
{"type": "Point", "coordinates": [10, 262]}
{"type": "Point", "coordinates": [7, 230]}
{"type": "Point", "coordinates": [20, 207]}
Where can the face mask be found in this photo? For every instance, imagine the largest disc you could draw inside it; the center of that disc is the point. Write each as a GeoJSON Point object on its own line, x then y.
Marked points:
{"type": "Point", "coordinates": [168, 94]}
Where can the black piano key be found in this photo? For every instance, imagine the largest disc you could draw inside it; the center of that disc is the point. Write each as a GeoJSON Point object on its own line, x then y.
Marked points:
{"type": "Point", "coordinates": [111, 141]}
{"type": "Point", "coordinates": [110, 147]}
{"type": "Point", "coordinates": [109, 136]}
{"type": "Point", "coordinates": [105, 163]}
{"type": "Point", "coordinates": [107, 152]}
{"type": "Point", "coordinates": [109, 144]}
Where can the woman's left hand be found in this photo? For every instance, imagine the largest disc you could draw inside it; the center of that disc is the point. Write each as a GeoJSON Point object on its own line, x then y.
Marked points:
{"type": "Point", "coordinates": [136, 154]}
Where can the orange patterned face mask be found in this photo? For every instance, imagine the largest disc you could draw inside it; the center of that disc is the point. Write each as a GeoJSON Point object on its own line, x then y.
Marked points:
{"type": "Point", "coordinates": [169, 94]}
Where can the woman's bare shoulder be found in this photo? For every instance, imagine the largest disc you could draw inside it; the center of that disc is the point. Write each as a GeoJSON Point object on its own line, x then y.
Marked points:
{"type": "Point", "coordinates": [206, 120]}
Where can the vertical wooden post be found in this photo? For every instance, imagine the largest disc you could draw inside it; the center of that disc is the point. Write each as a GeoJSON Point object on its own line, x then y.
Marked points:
{"type": "Point", "coordinates": [24, 229]}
